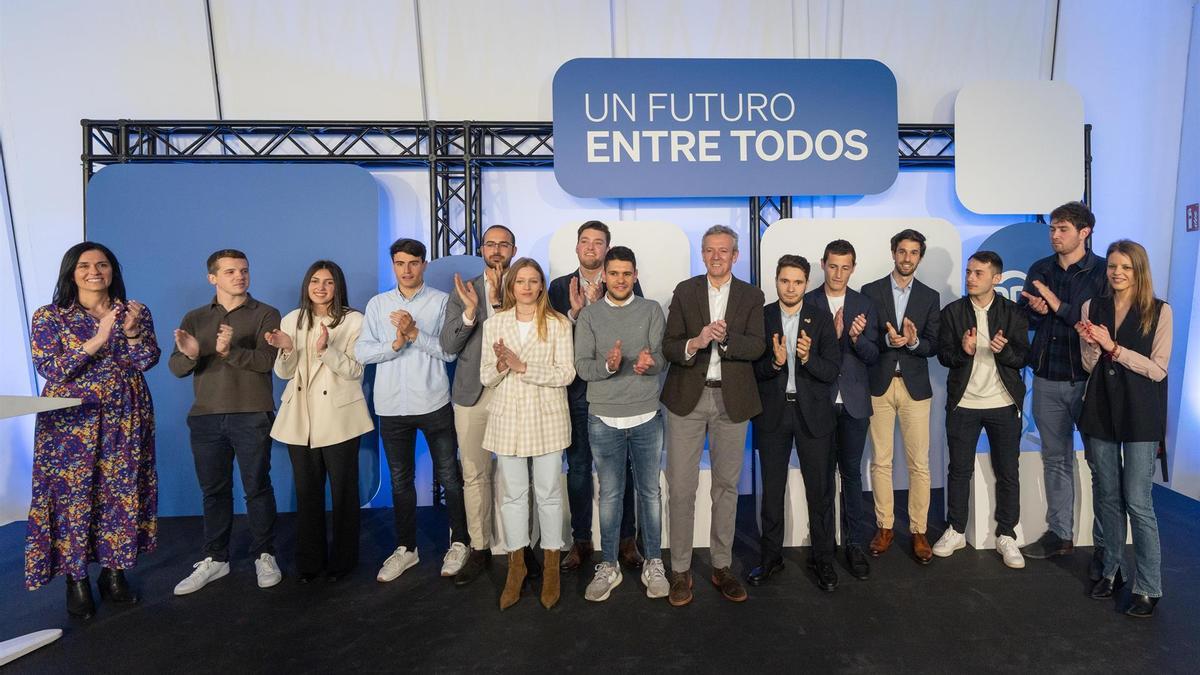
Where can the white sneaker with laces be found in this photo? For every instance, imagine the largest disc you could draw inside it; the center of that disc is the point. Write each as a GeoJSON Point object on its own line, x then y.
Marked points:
{"type": "Point", "coordinates": [1007, 546]}
{"type": "Point", "coordinates": [267, 571]}
{"type": "Point", "coordinates": [455, 558]}
{"type": "Point", "coordinates": [608, 577]}
{"type": "Point", "coordinates": [202, 572]}
{"type": "Point", "coordinates": [950, 541]}
{"type": "Point", "coordinates": [654, 578]}
{"type": "Point", "coordinates": [400, 560]}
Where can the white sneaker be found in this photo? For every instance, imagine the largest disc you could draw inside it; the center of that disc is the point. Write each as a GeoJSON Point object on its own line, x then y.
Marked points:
{"type": "Point", "coordinates": [400, 560]}
{"type": "Point", "coordinates": [202, 572]}
{"type": "Point", "coordinates": [608, 577]}
{"type": "Point", "coordinates": [654, 578]}
{"type": "Point", "coordinates": [455, 558]}
{"type": "Point", "coordinates": [1007, 546]}
{"type": "Point", "coordinates": [267, 571]}
{"type": "Point", "coordinates": [951, 541]}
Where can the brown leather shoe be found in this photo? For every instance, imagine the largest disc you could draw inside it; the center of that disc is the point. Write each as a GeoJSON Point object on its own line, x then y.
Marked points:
{"type": "Point", "coordinates": [681, 589]}
{"type": "Point", "coordinates": [550, 580]}
{"type": "Point", "coordinates": [921, 548]}
{"type": "Point", "coordinates": [628, 555]}
{"type": "Point", "coordinates": [728, 584]}
{"type": "Point", "coordinates": [881, 542]}
{"type": "Point", "coordinates": [579, 555]}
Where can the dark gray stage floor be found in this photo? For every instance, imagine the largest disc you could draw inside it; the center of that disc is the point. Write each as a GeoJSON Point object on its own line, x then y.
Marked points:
{"type": "Point", "coordinates": [968, 612]}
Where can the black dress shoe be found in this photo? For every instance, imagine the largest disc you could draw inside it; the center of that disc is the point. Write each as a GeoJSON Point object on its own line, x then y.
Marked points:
{"type": "Point", "coordinates": [1142, 607]}
{"type": "Point", "coordinates": [334, 576]}
{"type": "Point", "coordinates": [306, 578]}
{"type": "Point", "coordinates": [1105, 587]}
{"type": "Point", "coordinates": [477, 561]}
{"type": "Point", "coordinates": [79, 598]}
{"type": "Point", "coordinates": [1096, 566]}
{"type": "Point", "coordinates": [759, 575]}
{"type": "Point", "coordinates": [827, 578]}
{"type": "Point", "coordinates": [856, 560]}
{"type": "Point", "coordinates": [533, 566]}
{"type": "Point", "coordinates": [114, 588]}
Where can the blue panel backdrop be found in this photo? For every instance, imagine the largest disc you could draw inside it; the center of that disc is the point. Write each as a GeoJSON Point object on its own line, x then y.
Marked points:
{"type": "Point", "coordinates": [163, 221]}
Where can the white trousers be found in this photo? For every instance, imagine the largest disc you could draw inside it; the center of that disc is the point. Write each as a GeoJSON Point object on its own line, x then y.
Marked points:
{"type": "Point", "coordinates": [513, 473]}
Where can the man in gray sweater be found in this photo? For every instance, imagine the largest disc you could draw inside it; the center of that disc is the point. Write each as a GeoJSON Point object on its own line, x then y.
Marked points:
{"type": "Point", "coordinates": [618, 351]}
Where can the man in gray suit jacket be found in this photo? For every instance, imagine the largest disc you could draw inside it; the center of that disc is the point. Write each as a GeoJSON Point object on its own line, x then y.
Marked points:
{"type": "Point", "coordinates": [462, 334]}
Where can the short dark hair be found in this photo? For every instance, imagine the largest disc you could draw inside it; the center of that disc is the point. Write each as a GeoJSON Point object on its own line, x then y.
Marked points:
{"type": "Point", "coordinates": [908, 235]}
{"type": "Point", "coordinates": [989, 258]}
{"type": "Point", "coordinates": [497, 226]}
{"type": "Point", "coordinates": [622, 253]}
{"type": "Point", "coordinates": [1075, 213]}
{"type": "Point", "coordinates": [797, 261]}
{"type": "Point", "coordinates": [840, 247]}
{"type": "Point", "coordinates": [410, 246]}
{"type": "Point", "coordinates": [66, 292]}
{"type": "Point", "coordinates": [595, 225]}
{"type": "Point", "coordinates": [223, 253]}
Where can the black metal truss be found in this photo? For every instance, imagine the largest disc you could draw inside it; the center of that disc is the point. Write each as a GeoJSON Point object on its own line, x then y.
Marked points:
{"type": "Point", "coordinates": [454, 153]}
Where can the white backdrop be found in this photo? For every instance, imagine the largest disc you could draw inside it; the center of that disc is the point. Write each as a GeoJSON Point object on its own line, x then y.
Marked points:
{"type": "Point", "coordinates": [477, 59]}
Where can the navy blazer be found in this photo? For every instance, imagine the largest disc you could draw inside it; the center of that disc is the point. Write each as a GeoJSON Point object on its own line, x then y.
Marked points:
{"type": "Point", "coordinates": [559, 295]}
{"type": "Point", "coordinates": [814, 380]}
{"type": "Point", "coordinates": [857, 355]}
{"type": "Point", "coordinates": [924, 310]}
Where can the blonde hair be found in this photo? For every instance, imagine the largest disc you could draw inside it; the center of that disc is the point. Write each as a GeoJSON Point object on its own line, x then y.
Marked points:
{"type": "Point", "coordinates": [542, 308]}
{"type": "Point", "coordinates": [1143, 290]}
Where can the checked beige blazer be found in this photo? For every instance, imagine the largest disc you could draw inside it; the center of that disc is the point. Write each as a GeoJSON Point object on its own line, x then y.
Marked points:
{"type": "Point", "coordinates": [528, 414]}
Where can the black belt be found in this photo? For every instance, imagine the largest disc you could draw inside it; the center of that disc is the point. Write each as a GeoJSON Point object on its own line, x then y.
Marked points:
{"type": "Point", "coordinates": [898, 374]}
{"type": "Point", "coordinates": [790, 397]}
{"type": "Point", "coordinates": [712, 384]}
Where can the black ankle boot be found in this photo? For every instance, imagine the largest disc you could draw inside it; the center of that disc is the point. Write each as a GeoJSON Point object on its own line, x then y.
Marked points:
{"type": "Point", "coordinates": [533, 566]}
{"type": "Point", "coordinates": [114, 588]}
{"type": "Point", "coordinates": [79, 598]}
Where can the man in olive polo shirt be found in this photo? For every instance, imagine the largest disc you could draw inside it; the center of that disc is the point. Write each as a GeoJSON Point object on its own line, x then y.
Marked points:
{"type": "Point", "coordinates": [223, 346]}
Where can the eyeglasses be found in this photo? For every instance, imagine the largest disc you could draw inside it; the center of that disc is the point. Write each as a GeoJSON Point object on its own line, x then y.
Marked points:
{"type": "Point", "coordinates": [503, 245]}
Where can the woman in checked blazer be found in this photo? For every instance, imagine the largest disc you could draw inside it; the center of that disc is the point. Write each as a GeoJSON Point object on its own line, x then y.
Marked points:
{"type": "Point", "coordinates": [321, 417]}
{"type": "Point", "coordinates": [528, 357]}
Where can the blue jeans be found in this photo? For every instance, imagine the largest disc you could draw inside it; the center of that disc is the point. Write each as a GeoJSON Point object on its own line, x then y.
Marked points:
{"type": "Point", "coordinates": [1124, 473]}
{"type": "Point", "coordinates": [579, 479]}
{"type": "Point", "coordinates": [612, 449]}
{"type": "Point", "coordinates": [1056, 407]}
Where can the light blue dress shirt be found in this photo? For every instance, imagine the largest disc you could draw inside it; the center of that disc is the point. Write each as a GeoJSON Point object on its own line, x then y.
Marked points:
{"type": "Point", "coordinates": [900, 300]}
{"type": "Point", "coordinates": [413, 380]}
{"type": "Point", "coordinates": [791, 333]}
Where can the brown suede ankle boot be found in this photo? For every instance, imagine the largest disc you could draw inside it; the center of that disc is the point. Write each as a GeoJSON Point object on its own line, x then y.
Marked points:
{"type": "Point", "coordinates": [516, 579]}
{"type": "Point", "coordinates": [550, 581]}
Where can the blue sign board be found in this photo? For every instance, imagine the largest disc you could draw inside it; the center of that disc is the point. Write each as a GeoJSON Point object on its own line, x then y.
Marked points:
{"type": "Point", "coordinates": [724, 127]}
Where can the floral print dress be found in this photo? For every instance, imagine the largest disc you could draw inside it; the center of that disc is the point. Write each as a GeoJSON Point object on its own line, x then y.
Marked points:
{"type": "Point", "coordinates": [95, 489]}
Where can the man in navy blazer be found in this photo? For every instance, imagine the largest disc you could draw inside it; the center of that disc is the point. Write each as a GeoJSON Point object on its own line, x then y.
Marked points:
{"type": "Point", "coordinates": [797, 376]}
{"type": "Point", "coordinates": [856, 326]}
{"type": "Point", "coordinates": [568, 295]}
{"type": "Point", "coordinates": [909, 312]}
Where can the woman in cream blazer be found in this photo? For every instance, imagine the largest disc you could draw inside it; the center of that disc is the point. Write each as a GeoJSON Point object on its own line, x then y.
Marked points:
{"type": "Point", "coordinates": [528, 358]}
{"type": "Point", "coordinates": [322, 416]}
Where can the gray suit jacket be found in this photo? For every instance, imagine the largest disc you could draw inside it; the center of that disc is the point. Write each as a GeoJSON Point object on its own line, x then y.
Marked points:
{"type": "Point", "coordinates": [467, 342]}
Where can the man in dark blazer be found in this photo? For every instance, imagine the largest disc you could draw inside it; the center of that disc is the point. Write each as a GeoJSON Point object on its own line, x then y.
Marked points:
{"type": "Point", "coordinates": [714, 334]}
{"type": "Point", "coordinates": [797, 376]}
{"type": "Point", "coordinates": [909, 312]}
{"type": "Point", "coordinates": [569, 294]}
{"type": "Point", "coordinates": [856, 327]}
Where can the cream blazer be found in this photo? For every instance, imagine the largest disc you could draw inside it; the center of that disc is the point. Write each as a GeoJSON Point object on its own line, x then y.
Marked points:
{"type": "Point", "coordinates": [528, 414]}
{"type": "Point", "coordinates": [323, 403]}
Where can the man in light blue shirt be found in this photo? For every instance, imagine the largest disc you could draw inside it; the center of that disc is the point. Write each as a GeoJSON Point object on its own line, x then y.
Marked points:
{"type": "Point", "coordinates": [400, 333]}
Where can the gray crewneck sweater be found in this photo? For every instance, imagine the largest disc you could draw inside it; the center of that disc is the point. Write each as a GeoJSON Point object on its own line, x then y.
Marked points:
{"type": "Point", "coordinates": [639, 324]}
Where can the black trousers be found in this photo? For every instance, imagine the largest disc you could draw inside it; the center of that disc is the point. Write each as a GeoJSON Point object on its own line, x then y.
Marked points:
{"type": "Point", "coordinates": [310, 466]}
{"type": "Point", "coordinates": [817, 463]}
{"type": "Point", "coordinates": [399, 434]}
{"type": "Point", "coordinates": [848, 443]}
{"type": "Point", "coordinates": [1003, 427]}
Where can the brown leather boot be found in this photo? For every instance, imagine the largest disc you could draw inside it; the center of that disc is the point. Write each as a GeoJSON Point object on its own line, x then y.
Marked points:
{"type": "Point", "coordinates": [550, 581]}
{"type": "Point", "coordinates": [628, 554]}
{"type": "Point", "coordinates": [515, 580]}
{"type": "Point", "coordinates": [580, 555]}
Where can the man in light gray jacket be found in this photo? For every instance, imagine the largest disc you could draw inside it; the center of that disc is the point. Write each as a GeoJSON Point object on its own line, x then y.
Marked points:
{"type": "Point", "coordinates": [618, 351]}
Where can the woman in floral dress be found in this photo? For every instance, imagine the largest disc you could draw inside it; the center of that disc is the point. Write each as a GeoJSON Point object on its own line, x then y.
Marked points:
{"type": "Point", "coordinates": [95, 490]}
